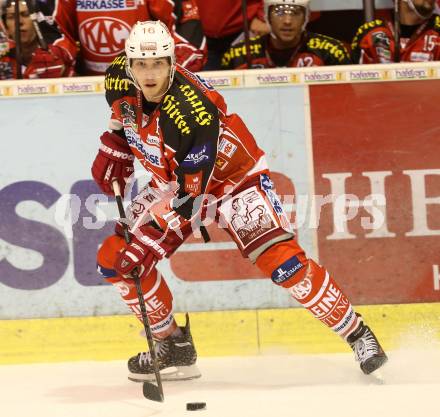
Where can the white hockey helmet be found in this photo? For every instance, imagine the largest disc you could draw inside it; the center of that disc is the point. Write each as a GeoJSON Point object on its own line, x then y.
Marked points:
{"type": "Point", "coordinates": [301, 3]}
{"type": "Point", "coordinates": [150, 39]}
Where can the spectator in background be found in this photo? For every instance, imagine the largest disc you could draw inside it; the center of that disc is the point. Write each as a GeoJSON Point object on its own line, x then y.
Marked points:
{"type": "Point", "coordinates": [419, 36]}
{"type": "Point", "coordinates": [99, 29]}
{"type": "Point", "coordinates": [37, 62]}
{"type": "Point", "coordinates": [4, 45]}
{"type": "Point", "coordinates": [289, 43]}
{"type": "Point", "coordinates": [222, 22]}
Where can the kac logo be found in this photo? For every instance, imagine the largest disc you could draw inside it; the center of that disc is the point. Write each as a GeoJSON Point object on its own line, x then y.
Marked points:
{"type": "Point", "coordinates": [103, 36]}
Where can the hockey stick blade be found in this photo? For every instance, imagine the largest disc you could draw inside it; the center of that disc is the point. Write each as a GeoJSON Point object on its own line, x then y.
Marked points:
{"type": "Point", "coordinates": [152, 392]}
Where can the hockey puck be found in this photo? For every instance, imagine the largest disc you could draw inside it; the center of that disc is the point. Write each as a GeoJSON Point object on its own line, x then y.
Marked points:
{"type": "Point", "coordinates": [195, 406]}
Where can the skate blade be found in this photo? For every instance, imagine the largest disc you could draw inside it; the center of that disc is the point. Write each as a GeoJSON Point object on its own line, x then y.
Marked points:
{"type": "Point", "coordinates": [173, 373]}
{"type": "Point", "coordinates": [374, 364]}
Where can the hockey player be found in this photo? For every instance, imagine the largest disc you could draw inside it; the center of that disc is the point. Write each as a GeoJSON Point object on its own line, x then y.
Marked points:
{"type": "Point", "coordinates": [289, 44]}
{"type": "Point", "coordinates": [37, 62]}
{"type": "Point", "coordinates": [204, 163]}
{"type": "Point", "coordinates": [100, 28]}
{"type": "Point", "coordinates": [419, 34]}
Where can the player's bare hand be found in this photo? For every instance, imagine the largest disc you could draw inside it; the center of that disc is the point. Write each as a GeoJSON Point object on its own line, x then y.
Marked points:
{"type": "Point", "coordinates": [259, 27]}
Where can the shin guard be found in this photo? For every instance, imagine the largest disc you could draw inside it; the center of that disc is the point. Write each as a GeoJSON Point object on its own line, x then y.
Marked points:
{"type": "Point", "coordinates": [157, 296]}
{"type": "Point", "coordinates": [310, 284]}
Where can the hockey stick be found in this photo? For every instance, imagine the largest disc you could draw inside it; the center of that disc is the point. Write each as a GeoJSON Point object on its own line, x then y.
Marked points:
{"type": "Point", "coordinates": [396, 31]}
{"type": "Point", "coordinates": [368, 10]}
{"type": "Point", "coordinates": [151, 391]}
{"type": "Point", "coordinates": [18, 48]}
{"type": "Point", "coordinates": [33, 15]}
{"type": "Point", "coordinates": [247, 42]}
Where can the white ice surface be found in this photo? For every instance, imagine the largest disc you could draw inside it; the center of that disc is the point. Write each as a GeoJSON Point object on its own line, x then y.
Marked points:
{"type": "Point", "coordinates": [269, 386]}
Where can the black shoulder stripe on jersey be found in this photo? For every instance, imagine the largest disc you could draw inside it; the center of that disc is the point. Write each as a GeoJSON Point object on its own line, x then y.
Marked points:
{"type": "Point", "coordinates": [330, 50]}
{"type": "Point", "coordinates": [190, 126]}
{"type": "Point", "coordinates": [236, 54]}
{"type": "Point", "coordinates": [364, 29]}
{"type": "Point", "coordinates": [116, 81]}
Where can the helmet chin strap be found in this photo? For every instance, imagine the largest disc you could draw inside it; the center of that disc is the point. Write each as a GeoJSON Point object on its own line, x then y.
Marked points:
{"type": "Point", "coordinates": [414, 9]}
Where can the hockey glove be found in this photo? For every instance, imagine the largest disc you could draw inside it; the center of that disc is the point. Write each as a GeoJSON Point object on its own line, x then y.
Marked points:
{"type": "Point", "coordinates": [114, 160]}
{"type": "Point", "coordinates": [146, 248]}
{"type": "Point", "coordinates": [54, 62]}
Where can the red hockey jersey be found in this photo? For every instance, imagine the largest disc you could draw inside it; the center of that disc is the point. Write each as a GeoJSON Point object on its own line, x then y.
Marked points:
{"type": "Point", "coordinates": [314, 50]}
{"type": "Point", "coordinates": [374, 43]}
{"type": "Point", "coordinates": [188, 139]}
{"type": "Point", "coordinates": [99, 29]}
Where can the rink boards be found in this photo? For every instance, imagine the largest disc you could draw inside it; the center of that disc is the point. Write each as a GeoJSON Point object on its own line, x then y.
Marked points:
{"type": "Point", "coordinates": [222, 333]}
{"type": "Point", "coordinates": [353, 150]}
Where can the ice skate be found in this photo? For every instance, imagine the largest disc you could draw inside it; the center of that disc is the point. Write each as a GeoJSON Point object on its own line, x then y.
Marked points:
{"type": "Point", "coordinates": [367, 349]}
{"type": "Point", "coordinates": [176, 358]}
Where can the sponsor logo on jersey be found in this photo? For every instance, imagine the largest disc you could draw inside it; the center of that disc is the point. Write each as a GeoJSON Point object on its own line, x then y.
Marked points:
{"type": "Point", "coordinates": [384, 54]}
{"type": "Point", "coordinates": [201, 115]}
{"type": "Point", "coordinates": [325, 44]}
{"type": "Point", "coordinates": [193, 183]}
{"type": "Point", "coordinates": [227, 148]}
{"type": "Point", "coordinates": [197, 156]}
{"type": "Point", "coordinates": [381, 38]}
{"type": "Point", "coordinates": [126, 122]}
{"type": "Point", "coordinates": [249, 216]}
{"type": "Point", "coordinates": [331, 298]}
{"type": "Point", "coordinates": [346, 321]}
{"type": "Point", "coordinates": [116, 83]}
{"type": "Point", "coordinates": [164, 324]}
{"type": "Point", "coordinates": [91, 5]}
{"type": "Point", "coordinates": [221, 163]}
{"type": "Point", "coordinates": [153, 140]}
{"type": "Point", "coordinates": [151, 154]}
{"type": "Point", "coordinates": [302, 289]}
{"type": "Point", "coordinates": [128, 111]}
{"type": "Point", "coordinates": [287, 270]}
{"type": "Point", "coordinates": [103, 36]}
{"type": "Point", "coordinates": [171, 107]}
{"type": "Point", "coordinates": [239, 51]}
{"type": "Point", "coordinates": [366, 27]}
{"type": "Point", "coordinates": [421, 56]}
{"type": "Point", "coordinates": [119, 61]}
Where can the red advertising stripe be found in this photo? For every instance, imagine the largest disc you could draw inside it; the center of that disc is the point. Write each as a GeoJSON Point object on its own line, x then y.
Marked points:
{"type": "Point", "coordinates": [373, 138]}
